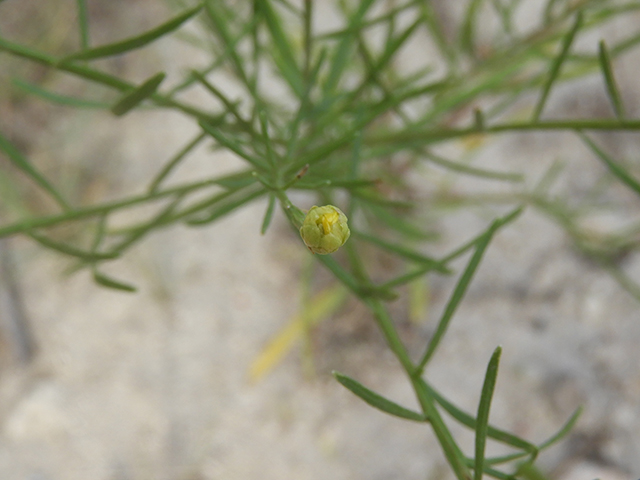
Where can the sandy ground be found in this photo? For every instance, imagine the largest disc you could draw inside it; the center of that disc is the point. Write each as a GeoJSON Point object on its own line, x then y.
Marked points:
{"type": "Point", "coordinates": [154, 385]}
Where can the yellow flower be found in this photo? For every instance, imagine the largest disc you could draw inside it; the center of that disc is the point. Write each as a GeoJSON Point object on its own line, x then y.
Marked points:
{"type": "Point", "coordinates": [325, 229]}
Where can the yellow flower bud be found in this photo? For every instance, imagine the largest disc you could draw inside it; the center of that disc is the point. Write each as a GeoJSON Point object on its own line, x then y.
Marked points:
{"type": "Point", "coordinates": [325, 229]}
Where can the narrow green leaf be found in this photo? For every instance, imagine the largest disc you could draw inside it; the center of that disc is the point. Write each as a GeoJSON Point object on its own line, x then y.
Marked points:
{"type": "Point", "coordinates": [83, 24]}
{"type": "Point", "coordinates": [475, 171]}
{"type": "Point", "coordinates": [470, 422]}
{"type": "Point", "coordinates": [226, 207]}
{"type": "Point", "coordinates": [20, 162]}
{"type": "Point", "coordinates": [341, 57]}
{"type": "Point", "coordinates": [549, 13]}
{"type": "Point", "coordinates": [339, 272]}
{"type": "Point", "coordinates": [377, 199]}
{"type": "Point", "coordinates": [220, 27]}
{"type": "Point", "coordinates": [230, 106]}
{"type": "Point", "coordinates": [132, 99]}
{"type": "Point", "coordinates": [105, 281]}
{"type": "Point", "coordinates": [528, 471]}
{"type": "Point", "coordinates": [399, 223]}
{"type": "Point", "coordinates": [401, 280]}
{"type": "Point", "coordinates": [564, 430]}
{"type": "Point", "coordinates": [393, 45]}
{"type": "Point", "coordinates": [284, 56]}
{"type": "Point", "coordinates": [268, 215]}
{"type": "Point", "coordinates": [434, 25]}
{"type": "Point", "coordinates": [481, 244]}
{"type": "Point", "coordinates": [451, 450]}
{"type": "Point", "coordinates": [311, 183]}
{"type": "Point", "coordinates": [171, 164]}
{"type": "Point", "coordinates": [612, 87]}
{"type": "Point", "coordinates": [139, 231]}
{"type": "Point", "coordinates": [57, 98]}
{"type": "Point", "coordinates": [92, 211]}
{"type": "Point", "coordinates": [555, 67]}
{"type": "Point", "coordinates": [403, 252]}
{"type": "Point", "coordinates": [133, 43]}
{"type": "Point", "coordinates": [100, 232]}
{"type": "Point", "coordinates": [238, 180]}
{"type": "Point", "coordinates": [231, 145]}
{"type": "Point", "coordinates": [88, 256]}
{"type": "Point", "coordinates": [378, 401]}
{"type": "Point", "coordinates": [456, 297]}
{"type": "Point", "coordinates": [467, 33]}
{"type": "Point", "coordinates": [614, 167]}
{"type": "Point", "coordinates": [482, 422]}
{"type": "Point", "coordinates": [266, 139]}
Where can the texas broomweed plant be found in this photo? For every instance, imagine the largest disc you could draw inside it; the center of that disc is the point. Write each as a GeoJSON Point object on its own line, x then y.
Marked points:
{"type": "Point", "coordinates": [325, 229]}
{"type": "Point", "coordinates": [350, 117]}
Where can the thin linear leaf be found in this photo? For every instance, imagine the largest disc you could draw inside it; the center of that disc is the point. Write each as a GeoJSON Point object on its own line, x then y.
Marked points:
{"type": "Point", "coordinates": [268, 215]}
{"type": "Point", "coordinates": [470, 422]}
{"type": "Point", "coordinates": [434, 26]}
{"type": "Point", "coordinates": [401, 280]}
{"type": "Point", "coordinates": [83, 24]}
{"type": "Point", "coordinates": [284, 57]}
{"type": "Point", "coordinates": [231, 145]}
{"type": "Point", "coordinates": [171, 164]}
{"type": "Point", "coordinates": [226, 208]}
{"type": "Point", "coordinates": [221, 28]}
{"type": "Point", "coordinates": [371, 197]}
{"type": "Point", "coordinates": [403, 252]}
{"type": "Point", "coordinates": [31, 223]}
{"type": "Point", "coordinates": [564, 430]}
{"type": "Point", "coordinates": [109, 282]}
{"type": "Point", "coordinates": [133, 43]}
{"type": "Point", "coordinates": [377, 401]}
{"type": "Point", "coordinates": [20, 162]}
{"type": "Point", "coordinates": [612, 87]}
{"type": "Point", "coordinates": [57, 98]}
{"type": "Point", "coordinates": [393, 45]}
{"type": "Point", "coordinates": [309, 183]}
{"type": "Point", "coordinates": [456, 297]}
{"type": "Point", "coordinates": [89, 256]}
{"type": "Point", "coordinates": [132, 99]}
{"type": "Point", "coordinates": [555, 67]}
{"type": "Point", "coordinates": [238, 180]}
{"type": "Point", "coordinates": [399, 224]}
{"type": "Point", "coordinates": [614, 167]}
{"type": "Point", "coordinates": [340, 273]}
{"type": "Point", "coordinates": [549, 11]}
{"type": "Point", "coordinates": [141, 230]}
{"type": "Point", "coordinates": [482, 422]}
{"type": "Point", "coordinates": [231, 106]}
{"type": "Point", "coordinates": [97, 76]}
{"type": "Point", "coordinates": [266, 139]}
{"type": "Point", "coordinates": [341, 56]}
{"type": "Point", "coordinates": [529, 471]}
{"type": "Point", "coordinates": [467, 33]}
{"type": "Point", "coordinates": [451, 450]}
{"type": "Point", "coordinates": [469, 170]}
{"type": "Point", "coordinates": [100, 232]}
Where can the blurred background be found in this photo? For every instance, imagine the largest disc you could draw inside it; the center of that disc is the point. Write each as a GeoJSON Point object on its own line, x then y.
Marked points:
{"type": "Point", "coordinates": [162, 384]}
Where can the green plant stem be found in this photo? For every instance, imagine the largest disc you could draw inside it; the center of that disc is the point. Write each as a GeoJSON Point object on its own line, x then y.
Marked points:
{"type": "Point", "coordinates": [96, 210]}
